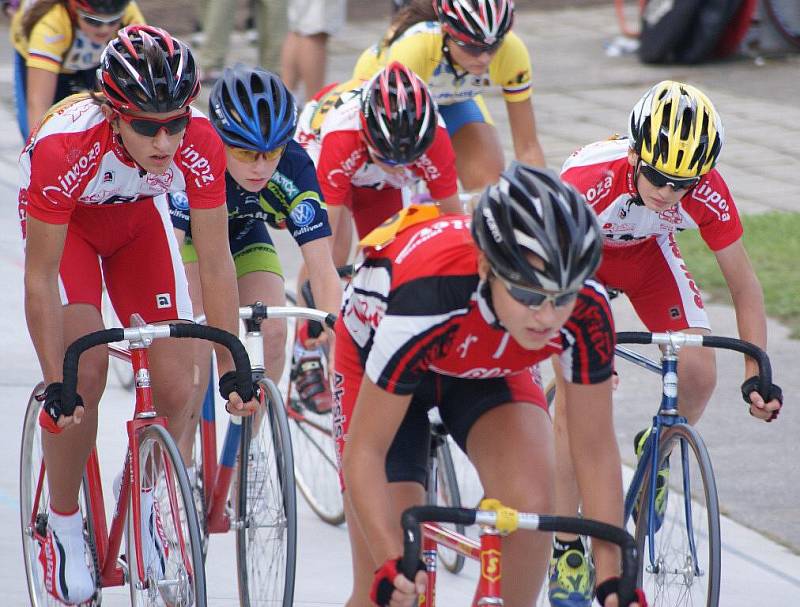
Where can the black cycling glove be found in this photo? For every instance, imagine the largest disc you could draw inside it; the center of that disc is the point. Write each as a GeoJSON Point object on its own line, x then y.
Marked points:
{"type": "Point", "coordinates": [752, 385]}
{"type": "Point", "coordinates": [53, 408]}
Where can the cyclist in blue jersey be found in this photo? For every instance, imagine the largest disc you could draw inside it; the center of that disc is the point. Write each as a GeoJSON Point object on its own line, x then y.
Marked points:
{"type": "Point", "coordinates": [269, 180]}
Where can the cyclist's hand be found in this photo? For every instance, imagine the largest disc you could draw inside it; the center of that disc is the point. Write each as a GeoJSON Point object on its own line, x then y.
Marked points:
{"type": "Point", "coordinates": [391, 588]}
{"type": "Point", "coordinates": [53, 416]}
{"type": "Point", "coordinates": [607, 594]}
{"type": "Point", "coordinates": [229, 390]}
{"type": "Point", "coordinates": [766, 410]}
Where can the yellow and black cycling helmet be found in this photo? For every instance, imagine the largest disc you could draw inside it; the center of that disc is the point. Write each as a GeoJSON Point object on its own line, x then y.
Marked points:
{"type": "Point", "coordinates": [675, 129]}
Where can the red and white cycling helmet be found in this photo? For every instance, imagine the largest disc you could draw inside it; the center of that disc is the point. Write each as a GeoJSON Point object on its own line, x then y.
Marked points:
{"type": "Point", "coordinates": [398, 116]}
{"type": "Point", "coordinates": [480, 22]}
{"type": "Point", "coordinates": [145, 69]}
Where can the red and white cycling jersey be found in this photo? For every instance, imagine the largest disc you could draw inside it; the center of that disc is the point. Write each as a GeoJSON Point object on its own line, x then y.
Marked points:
{"type": "Point", "coordinates": [416, 306]}
{"type": "Point", "coordinates": [343, 163]}
{"type": "Point", "coordinates": [602, 173]}
{"type": "Point", "coordinates": [75, 159]}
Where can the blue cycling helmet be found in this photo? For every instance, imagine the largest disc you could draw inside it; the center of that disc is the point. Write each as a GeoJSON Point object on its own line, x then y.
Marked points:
{"type": "Point", "coordinates": [251, 108]}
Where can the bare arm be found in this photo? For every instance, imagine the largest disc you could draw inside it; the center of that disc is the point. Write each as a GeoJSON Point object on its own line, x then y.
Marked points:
{"type": "Point", "coordinates": [376, 418]}
{"type": "Point", "coordinates": [325, 284]}
{"type": "Point", "coordinates": [451, 204]}
{"type": "Point", "coordinates": [217, 275]}
{"type": "Point", "coordinates": [596, 460]}
{"type": "Point", "coordinates": [44, 244]}
{"type": "Point", "coordinates": [748, 301]}
{"type": "Point", "coordinates": [40, 94]}
{"type": "Point", "coordinates": [342, 228]}
{"type": "Point", "coordinates": [522, 122]}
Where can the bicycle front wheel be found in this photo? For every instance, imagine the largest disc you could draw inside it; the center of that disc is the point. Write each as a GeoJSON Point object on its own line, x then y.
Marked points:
{"type": "Point", "coordinates": [34, 493]}
{"type": "Point", "coordinates": [448, 494]}
{"type": "Point", "coordinates": [266, 512]}
{"type": "Point", "coordinates": [682, 566]}
{"type": "Point", "coordinates": [171, 548]}
{"type": "Point", "coordinates": [316, 472]}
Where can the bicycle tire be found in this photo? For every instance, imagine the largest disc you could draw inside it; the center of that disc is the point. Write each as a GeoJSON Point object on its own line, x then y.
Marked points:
{"type": "Point", "coordinates": [266, 508]}
{"type": "Point", "coordinates": [673, 581]}
{"type": "Point", "coordinates": [448, 494]}
{"type": "Point", "coordinates": [198, 487]}
{"type": "Point", "coordinates": [168, 484]}
{"type": "Point", "coordinates": [316, 469]}
{"type": "Point", "coordinates": [777, 15]}
{"type": "Point", "coordinates": [30, 466]}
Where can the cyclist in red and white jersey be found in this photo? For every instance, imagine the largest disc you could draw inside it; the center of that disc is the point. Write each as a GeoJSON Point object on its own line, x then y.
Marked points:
{"type": "Point", "coordinates": [456, 313]}
{"type": "Point", "coordinates": [645, 188]}
{"type": "Point", "coordinates": [92, 203]}
{"type": "Point", "coordinates": [371, 141]}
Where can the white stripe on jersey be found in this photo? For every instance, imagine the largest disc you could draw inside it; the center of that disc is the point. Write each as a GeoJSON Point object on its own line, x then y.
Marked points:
{"type": "Point", "coordinates": [597, 153]}
{"type": "Point", "coordinates": [183, 303]}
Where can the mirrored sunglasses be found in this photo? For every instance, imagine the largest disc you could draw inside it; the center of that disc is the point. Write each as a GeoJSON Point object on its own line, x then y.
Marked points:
{"type": "Point", "coordinates": [149, 127]}
{"type": "Point", "coordinates": [250, 156]}
{"type": "Point", "coordinates": [659, 179]}
{"type": "Point", "coordinates": [476, 50]}
{"type": "Point", "coordinates": [533, 298]}
{"type": "Point", "coordinates": [95, 20]}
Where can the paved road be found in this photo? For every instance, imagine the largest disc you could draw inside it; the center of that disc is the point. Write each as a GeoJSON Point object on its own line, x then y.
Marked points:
{"type": "Point", "coordinates": [581, 95]}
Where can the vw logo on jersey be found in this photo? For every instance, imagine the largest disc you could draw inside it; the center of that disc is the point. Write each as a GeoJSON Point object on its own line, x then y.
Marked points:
{"type": "Point", "coordinates": [303, 214]}
{"type": "Point", "coordinates": [180, 201]}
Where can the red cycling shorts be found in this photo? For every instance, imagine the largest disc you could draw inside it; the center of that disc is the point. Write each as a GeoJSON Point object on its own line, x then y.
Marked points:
{"type": "Point", "coordinates": [655, 278]}
{"type": "Point", "coordinates": [132, 247]}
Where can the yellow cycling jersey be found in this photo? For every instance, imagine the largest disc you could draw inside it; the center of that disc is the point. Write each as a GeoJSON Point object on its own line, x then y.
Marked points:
{"type": "Point", "coordinates": [58, 45]}
{"type": "Point", "coordinates": [420, 48]}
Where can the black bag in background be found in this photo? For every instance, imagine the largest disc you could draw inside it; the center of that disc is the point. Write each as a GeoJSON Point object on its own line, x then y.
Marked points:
{"type": "Point", "coordinates": [683, 31]}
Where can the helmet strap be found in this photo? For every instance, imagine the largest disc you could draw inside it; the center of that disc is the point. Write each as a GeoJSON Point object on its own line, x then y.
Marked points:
{"type": "Point", "coordinates": [636, 200]}
{"type": "Point", "coordinates": [485, 293]}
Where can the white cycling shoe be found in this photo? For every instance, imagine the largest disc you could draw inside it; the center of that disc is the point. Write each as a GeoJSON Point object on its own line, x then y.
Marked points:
{"type": "Point", "coordinates": [62, 558]}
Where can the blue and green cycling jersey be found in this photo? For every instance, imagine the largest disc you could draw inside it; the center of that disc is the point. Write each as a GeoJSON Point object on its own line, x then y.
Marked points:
{"type": "Point", "coordinates": [291, 200]}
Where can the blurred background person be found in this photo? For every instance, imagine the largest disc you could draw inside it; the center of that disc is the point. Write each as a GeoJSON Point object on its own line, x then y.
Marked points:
{"type": "Point", "coordinates": [305, 50]}
{"type": "Point", "coordinates": [58, 45]}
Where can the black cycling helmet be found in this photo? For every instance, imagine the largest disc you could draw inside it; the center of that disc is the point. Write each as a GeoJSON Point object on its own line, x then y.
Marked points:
{"type": "Point", "coordinates": [100, 7]}
{"type": "Point", "coordinates": [531, 211]}
{"type": "Point", "coordinates": [252, 108]}
{"type": "Point", "coordinates": [144, 68]}
{"type": "Point", "coordinates": [398, 116]}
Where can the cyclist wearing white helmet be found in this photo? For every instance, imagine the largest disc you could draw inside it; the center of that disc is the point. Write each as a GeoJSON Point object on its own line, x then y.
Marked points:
{"type": "Point", "coordinates": [459, 48]}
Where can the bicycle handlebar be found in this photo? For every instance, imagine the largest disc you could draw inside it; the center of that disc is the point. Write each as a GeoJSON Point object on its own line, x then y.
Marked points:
{"type": "Point", "coordinates": [259, 311]}
{"type": "Point", "coordinates": [413, 517]}
{"type": "Point", "coordinates": [708, 341]}
{"type": "Point", "coordinates": [146, 335]}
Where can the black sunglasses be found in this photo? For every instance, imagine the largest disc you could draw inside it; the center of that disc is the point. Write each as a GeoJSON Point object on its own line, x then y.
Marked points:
{"type": "Point", "coordinates": [149, 127]}
{"type": "Point", "coordinates": [659, 179]}
{"type": "Point", "coordinates": [476, 50]}
{"type": "Point", "coordinates": [534, 298]}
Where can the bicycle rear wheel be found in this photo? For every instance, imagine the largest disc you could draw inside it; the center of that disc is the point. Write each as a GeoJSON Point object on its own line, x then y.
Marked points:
{"type": "Point", "coordinates": [173, 521]}
{"type": "Point", "coordinates": [316, 471]}
{"type": "Point", "coordinates": [266, 507]}
{"type": "Point", "coordinates": [33, 486]}
{"type": "Point", "coordinates": [448, 494]}
{"type": "Point", "coordinates": [684, 569]}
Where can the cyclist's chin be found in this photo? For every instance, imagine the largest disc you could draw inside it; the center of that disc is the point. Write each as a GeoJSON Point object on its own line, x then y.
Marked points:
{"type": "Point", "coordinates": [531, 339]}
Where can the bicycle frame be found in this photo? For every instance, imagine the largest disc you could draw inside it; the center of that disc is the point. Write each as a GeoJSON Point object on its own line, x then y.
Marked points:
{"type": "Point", "coordinates": [108, 542]}
{"type": "Point", "coordinates": [218, 476]}
{"type": "Point", "coordinates": [668, 416]}
{"type": "Point", "coordinates": [488, 551]}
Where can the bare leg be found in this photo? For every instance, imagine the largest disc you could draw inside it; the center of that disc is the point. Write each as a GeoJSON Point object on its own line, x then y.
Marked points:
{"type": "Point", "coordinates": [479, 155]}
{"type": "Point", "coordinates": [65, 454]}
{"type": "Point", "coordinates": [512, 449]}
{"type": "Point", "coordinates": [267, 288]}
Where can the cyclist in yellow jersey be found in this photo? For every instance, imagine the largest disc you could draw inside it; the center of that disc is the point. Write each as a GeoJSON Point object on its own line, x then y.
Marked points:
{"type": "Point", "coordinates": [460, 48]}
{"type": "Point", "coordinates": [58, 45]}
